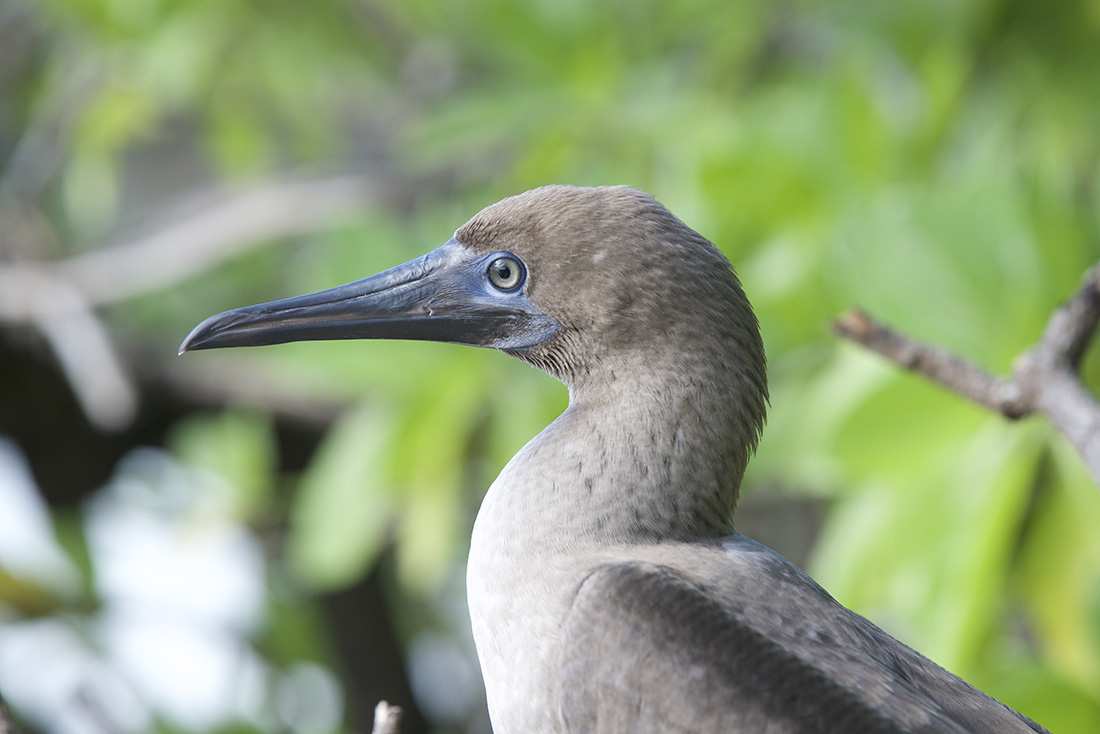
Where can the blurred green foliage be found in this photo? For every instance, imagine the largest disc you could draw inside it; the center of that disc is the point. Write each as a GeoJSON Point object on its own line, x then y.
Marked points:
{"type": "Point", "coordinates": [937, 163]}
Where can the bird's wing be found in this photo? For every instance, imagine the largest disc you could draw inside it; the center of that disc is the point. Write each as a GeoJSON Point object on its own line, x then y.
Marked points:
{"type": "Point", "coordinates": [644, 650]}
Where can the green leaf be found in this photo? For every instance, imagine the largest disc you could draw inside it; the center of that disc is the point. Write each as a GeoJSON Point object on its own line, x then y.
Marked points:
{"type": "Point", "coordinates": [430, 461]}
{"type": "Point", "coordinates": [927, 555]}
{"type": "Point", "coordinates": [1060, 570]}
{"type": "Point", "coordinates": [343, 505]}
{"type": "Point", "coordinates": [238, 446]}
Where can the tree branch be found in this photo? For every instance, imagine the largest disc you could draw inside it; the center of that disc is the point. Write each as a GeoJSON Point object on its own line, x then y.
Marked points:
{"type": "Point", "coordinates": [937, 364]}
{"type": "Point", "coordinates": [387, 719]}
{"type": "Point", "coordinates": [1071, 327]}
{"type": "Point", "coordinates": [1044, 380]}
{"type": "Point", "coordinates": [58, 298]}
{"type": "Point", "coordinates": [238, 221]}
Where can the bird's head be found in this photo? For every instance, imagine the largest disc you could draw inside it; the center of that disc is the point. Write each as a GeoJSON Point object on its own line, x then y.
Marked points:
{"type": "Point", "coordinates": [577, 281]}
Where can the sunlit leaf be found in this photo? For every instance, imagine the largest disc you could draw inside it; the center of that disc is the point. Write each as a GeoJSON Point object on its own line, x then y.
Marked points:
{"type": "Point", "coordinates": [343, 506]}
{"type": "Point", "coordinates": [237, 446]}
{"type": "Point", "coordinates": [1060, 570]}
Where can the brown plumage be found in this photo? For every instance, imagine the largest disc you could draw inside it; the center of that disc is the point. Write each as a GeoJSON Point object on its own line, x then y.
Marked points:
{"type": "Point", "coordinates": [607, 590]}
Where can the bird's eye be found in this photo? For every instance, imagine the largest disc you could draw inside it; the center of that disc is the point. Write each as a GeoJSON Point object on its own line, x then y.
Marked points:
{"type": "Point", "coordinates": [506, 273]}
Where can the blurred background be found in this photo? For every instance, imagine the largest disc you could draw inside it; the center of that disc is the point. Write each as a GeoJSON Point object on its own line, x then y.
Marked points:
{"type": "Point", "coordinates": [273, 539]}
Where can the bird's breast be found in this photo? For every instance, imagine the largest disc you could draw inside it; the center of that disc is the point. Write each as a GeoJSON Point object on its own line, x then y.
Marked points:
{"type": "Point", "coordinates": [518, 603]}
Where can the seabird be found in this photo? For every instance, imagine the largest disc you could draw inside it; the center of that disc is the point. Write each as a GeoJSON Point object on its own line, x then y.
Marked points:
{"type": "Point", "coordinates": [607, 588]}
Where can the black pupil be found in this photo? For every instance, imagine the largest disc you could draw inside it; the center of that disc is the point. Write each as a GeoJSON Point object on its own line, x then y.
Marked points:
{"type": "Point", "coordinates": [504, 272]}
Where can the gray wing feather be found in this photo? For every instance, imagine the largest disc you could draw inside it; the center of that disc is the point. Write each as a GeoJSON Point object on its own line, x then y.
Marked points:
{"type": "Point", "coordinates": [630, 664]}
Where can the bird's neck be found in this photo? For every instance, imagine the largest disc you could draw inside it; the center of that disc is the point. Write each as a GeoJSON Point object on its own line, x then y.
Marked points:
{"type": "Point", "coordinates": [673, 445]}
{"type": "Point", "coordinates": [642, 453]}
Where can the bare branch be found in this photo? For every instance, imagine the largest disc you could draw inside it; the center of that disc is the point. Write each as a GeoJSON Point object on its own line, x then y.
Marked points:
{"type": "Point", "coordinates": [79, 340]}
{"type": "Point", "coordinates": [186, 245]}
{"type": "Point", "coordinates": [237, 222]}
{"type": "Point", "coordinates": [937, 364]}
{"type": "Point", "coordinates": [1048, 373]}
{"type": "Point", "coordinates": [58, 298]}
{"type": "Point", "coordinates": [96, 373]}
{"type": "Point", "coordinates": [1044, 380]}
{"type": "Point", "coordinates": [387, 719]}
{"type": "Point", "coordinates": [1071, 409]}
{"type": "Point", "coordinates": [1071, 327]}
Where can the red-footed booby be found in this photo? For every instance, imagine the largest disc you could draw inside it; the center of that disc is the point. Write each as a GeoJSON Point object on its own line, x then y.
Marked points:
{"type": "Point", "coordinates": [607, 589]}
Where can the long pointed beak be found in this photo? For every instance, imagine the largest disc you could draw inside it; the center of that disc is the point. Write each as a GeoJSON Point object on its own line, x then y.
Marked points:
{"type": "Point", "coordinates": [442, 296]}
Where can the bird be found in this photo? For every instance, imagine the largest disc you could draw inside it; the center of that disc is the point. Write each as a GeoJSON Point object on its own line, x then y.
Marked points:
{"type": "Point", "coordinates": [608, 589]}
